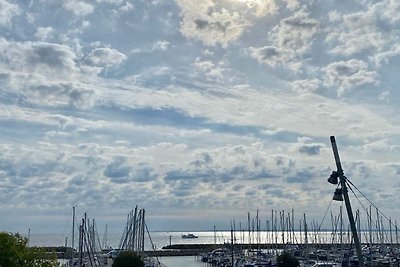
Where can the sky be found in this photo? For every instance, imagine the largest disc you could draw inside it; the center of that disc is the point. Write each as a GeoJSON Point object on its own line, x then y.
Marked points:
{"type": "Point", "coordinates": [198, 111]}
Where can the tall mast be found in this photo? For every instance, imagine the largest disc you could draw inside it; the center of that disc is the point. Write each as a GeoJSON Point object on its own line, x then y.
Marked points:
{"type": "Point", "coordinates": [105, 238]}
{"type": "Point", "coordinates": [343, 180]}
{"type": "Point", "coordinates": [73, 233]}
{"type": "Point", "coordinates": [29, 237]}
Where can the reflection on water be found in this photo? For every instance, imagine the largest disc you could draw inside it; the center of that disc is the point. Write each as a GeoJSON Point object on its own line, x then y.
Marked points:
{"type": "Point", "coordinates": [161, 239]}
{"type": "Point", "coordinates": [181, 261]}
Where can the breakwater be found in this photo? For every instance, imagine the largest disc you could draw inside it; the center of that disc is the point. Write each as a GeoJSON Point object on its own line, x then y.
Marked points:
{"type": "Point", "coordinates": [197, 249]}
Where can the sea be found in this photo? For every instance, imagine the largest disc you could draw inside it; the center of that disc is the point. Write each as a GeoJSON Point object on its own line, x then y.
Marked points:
{"type": "Point", "coordinates": [154, 240]}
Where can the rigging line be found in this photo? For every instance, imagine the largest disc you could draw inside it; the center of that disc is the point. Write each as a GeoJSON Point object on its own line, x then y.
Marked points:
{"type": "Point", "coordinates": [369, 215]}
{"type": "Point", "coordinates": [365, 209]}
{"type": "Point", "coordinates": [326, 212]}
{"type": "Point", "coordinates": [151, 241]}
{"type": "Point", "coordinates": [371, 203]}
{"type": "Point", "coordinates": [96, 233]}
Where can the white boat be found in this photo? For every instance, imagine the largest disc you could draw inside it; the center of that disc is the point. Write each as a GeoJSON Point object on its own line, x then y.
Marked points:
{"type": "Point", "coordinates": [189, 235]}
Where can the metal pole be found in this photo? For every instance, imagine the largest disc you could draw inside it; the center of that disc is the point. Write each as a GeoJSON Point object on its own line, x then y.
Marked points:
{"type": "Point", "coordinates": [66, 244]}
{"type": "Point", "coordinates": [215, 238]}
{"type": "Point", "coordinates": [232, 244]}
{"type": "Point", "coordinates": [73, 234]}
{"type": "Point", "coordinates": [347, 202]}
{"type": "Point", "coordinates": [29, 237]}
{"type": "Point", "coordinates": [80, 243]}
{"type": "Point", "coordinates": [143, 225]}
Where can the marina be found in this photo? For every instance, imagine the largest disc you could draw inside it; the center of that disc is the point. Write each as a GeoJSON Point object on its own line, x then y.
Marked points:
{"type": "Point", "coordinates": [194, 252]}
{"type": "Point", "coordinates": [262, 242]}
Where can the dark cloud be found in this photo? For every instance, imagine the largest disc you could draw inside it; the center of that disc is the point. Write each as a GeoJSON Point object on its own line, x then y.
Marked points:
{"type": "Point", "coordinates": [189, 175]}
{"type": "Point", "coordinates": [201, 23]}
{"type": "Point", "coordinates": [51, 55]}
{"type": "Point", "coordinates": [143, 174]}
{"type": "Point", "coordinates": [117, 169]}
{"type": "Point", "coordinates": [269, 55]}
{"type": "Point", "coordinates": [44, 58]}
{"type": "Point", "coordinates": [8, 168]}
{"type": "Point", "coordinates": [247, 173]}
{"type": "Point", "coordinates": [348, 75]}
{"type": "Point", "coordinates": [238, 187]}
{"type": "Point", "coordinates": [77, 181]}
{"type": "Point", "coordinates": [180, 119]}
{"type": "Point", "coordinates": [297, 31]}
{"type": "Point", "coordinates": [204, 159]}
{"type": "Point", "coordinates": [301, 176]}
{"type": "Point", "coordinates": [55, 94]}
{"type": "Point", "coordinates": [310, 150]}
{"type": "Point", "coordinates": [268, 52]}
{"type": "Point", "coordinates": [212, 26]}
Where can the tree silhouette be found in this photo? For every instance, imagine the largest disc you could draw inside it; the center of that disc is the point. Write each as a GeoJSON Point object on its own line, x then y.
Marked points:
{"type": "Point", "coordinates": [287, 260]}
{"type": "Point", "coordinates": [128, 259]}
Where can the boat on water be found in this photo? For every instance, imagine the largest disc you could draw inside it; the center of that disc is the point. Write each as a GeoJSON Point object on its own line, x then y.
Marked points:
{"type": "Point", "coordinates": [189, 235]}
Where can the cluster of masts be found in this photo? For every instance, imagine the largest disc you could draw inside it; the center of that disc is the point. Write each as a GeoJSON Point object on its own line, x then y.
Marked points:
{"type": "Point", "coordinates": [90, 248]}
{"type": "Point", "coordinates": [283, 228]}
{"type": "Point", "coordinates": [134, 233]}
{"type": "Point", "coordinates": [87, 251]}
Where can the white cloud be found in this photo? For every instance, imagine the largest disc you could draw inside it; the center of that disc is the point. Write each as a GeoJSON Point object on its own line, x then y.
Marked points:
{"type": "Point", "coordinates": [116, 2]}
{"type": "Point", "coordinates": [78, 8]}
{"type": "Point", "coordinates": [296, 33]}
{"type": "Point", "coordinates": [292, 4]}
{"type": "Point", "coordinates": [203, 21]}
{"type": "Point", "coordinates": [7, 11]}
{"type": "Point", "coordinates": [306, 86]}
{"type": "Point", "coordinates": [161, 46]}
{"type": "Point", "coordinates": [44, 74]}
{"type": "Point", "coordinates": [355, 33]}
{"type": "Point", "coordinates": [38, 57]}
{"type": "Point", "coordinates": [390, 9]}
{"type": "Point", "coordinates": [292, 39]}
{"type": "Point", "coordinates": [259, 8]}
{"type": "Point", "coordinates": [208, 68]}
{"type": "Point", "coordinates": [220, 22]}
{"type": "Point", "coordinates": [106, 57]}
{"type": "Point", "coordinates": [192, 113]}
{"type": "Point", "coordinates": [44, 33]}
{"type": "Point", "coordinates": [347, 75]}
{"type": "Point", "coordinates": [384, 58]}
{"type": "Point", "coordinates": [127, 7]}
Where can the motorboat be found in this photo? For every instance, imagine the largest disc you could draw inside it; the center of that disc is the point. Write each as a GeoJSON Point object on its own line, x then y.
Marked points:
{"type": "Point", "coordinates": [189, 235]}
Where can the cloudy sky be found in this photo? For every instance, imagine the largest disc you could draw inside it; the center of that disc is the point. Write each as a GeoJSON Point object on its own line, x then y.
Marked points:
{"type": "Point", "coordinates": [198, 111]}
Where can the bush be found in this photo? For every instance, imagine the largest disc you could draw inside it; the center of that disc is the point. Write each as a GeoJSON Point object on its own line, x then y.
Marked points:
{"type": "Point", "coordinates": [14, 252]}
{"type": "Point", "coordinates": [128, 259]}
{"type": "Point", "coordinates": [287, 260]}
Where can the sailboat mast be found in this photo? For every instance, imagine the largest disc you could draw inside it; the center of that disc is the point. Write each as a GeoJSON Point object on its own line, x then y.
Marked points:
{"type": "Point", "coordinates": [73, 233]}
{"type": "Point", "coordinates": [347, 202]}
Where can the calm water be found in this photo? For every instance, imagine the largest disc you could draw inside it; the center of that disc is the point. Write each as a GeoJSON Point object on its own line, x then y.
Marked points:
{"type": "Point", "coordinates": [174, 262]}
{"type": "Point", "coordinates": [181, 261]}
{"type": "Point", "coordinates": [161, 239]}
